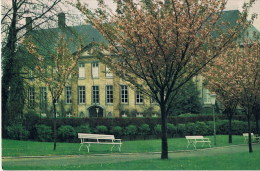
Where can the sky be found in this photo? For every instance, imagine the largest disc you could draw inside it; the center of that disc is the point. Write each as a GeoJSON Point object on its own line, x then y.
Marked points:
{"type": "Point", "coordinates": [231, 5]}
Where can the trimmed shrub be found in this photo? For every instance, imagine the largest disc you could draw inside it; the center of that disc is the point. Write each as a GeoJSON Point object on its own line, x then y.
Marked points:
{"type": "Point", "coordinates": [201, 128]}
{"type": "Point", "coordinates": [221, 126]}
{"type": "Point", "coordinates": [171, 129]}
{"type": "Point", "coordinates": [144, 130]}
{"type": "Point", "coordinates": [117, 131]}
{"type": "Point", "coordinates": [157, 130]}
{"type": "Point", "coordinates": [44, 132]}
{"type": "Point", "coordinates": [30, 121]}
{"type": "Point", "coordinates": [66, 133]}
{"type": "Point", "coordinates": [190, 129]}
{"type": "Point", "coordinates": [131, 130]}
{"type": "Point", "coordinates": [181, 129]}
{"type": "Point", "coordinates": [101, 129]}
{"type": "Point", "coordinates": [17, 132]}
{"type": "Point", "coordinates": [239, 127]}
{"type": "Point", "coordinates": [83, 129]}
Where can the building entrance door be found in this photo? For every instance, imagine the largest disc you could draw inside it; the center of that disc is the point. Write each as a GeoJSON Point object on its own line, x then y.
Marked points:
{"type": "Point", "coordinates": [95, 112]}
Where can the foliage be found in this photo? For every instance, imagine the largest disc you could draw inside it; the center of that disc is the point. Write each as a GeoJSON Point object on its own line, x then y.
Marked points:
{"type": "Point", "coordinates": [13, 92]}
{"type": "Point", "coordinates": [44, 132]}
{"type": "Point", "coordinates": [144, 129]}
{"type": "Point", "coordinates": [190, 129]}
{"type": "Point", "coordinates": [131, 130]}
{"type": "Point", "coordinates": [83, 129]}
{"type": "Point", "coordinates": [235, 77]}
{"type": "Point", "coordinates": [172, 130]}
{"type": "Point", "coordinates": [53, 68]}
{"type": "Point", "coordinates": [202, 128]}
{"type": "Point", "coordinates": [181, 129]}
{"type": "Point", "coordinates": [158, 46]}
{"type": "Point", "coordinates": [117, 131]}
{"type": "Point", "coordinates": [186, 100]}
{"type": "Point", "coordinates": [66, 133]}
{"type": "Point", "coordinates": [101, 129]}
{"type": "Point", "coordinates": [17, 131]}
{"type": "Point", "coordinates": [157, 129]}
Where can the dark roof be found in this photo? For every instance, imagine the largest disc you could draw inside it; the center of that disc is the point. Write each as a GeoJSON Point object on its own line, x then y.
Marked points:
{"type": "Point", "coordinates": [47, 38]}
{"type": "Point", "coordinates": [75, 36]}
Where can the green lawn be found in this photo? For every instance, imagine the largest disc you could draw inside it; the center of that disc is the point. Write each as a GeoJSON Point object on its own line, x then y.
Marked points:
{"type": "Point", "coordinates": [227, 158]}
{"type": "Point", "coordinates": [32, 148]}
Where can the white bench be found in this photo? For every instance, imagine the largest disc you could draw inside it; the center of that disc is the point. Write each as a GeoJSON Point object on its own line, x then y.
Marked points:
{"type": "Point", "coordinates": [88, 139]}
{"type": "Point", "coordinates": [193, 140]}
{"type": "Point", "coordinates": [254, 137]}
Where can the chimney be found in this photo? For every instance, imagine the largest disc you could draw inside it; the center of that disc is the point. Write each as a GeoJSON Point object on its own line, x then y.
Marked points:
{"type": "Point", "coordinates": [28, 22]}
{"type": "Point", "coordinates": [61, 20]}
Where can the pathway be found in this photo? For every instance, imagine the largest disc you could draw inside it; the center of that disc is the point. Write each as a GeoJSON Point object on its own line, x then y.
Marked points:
{"type": "Point", "coordinates": [121, 157]}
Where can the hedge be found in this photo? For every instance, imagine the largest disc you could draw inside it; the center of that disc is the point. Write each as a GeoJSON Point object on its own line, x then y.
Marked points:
{"type": "Point", "coordinates": [123, 122]}
{"type": "Point", "coordinates": [36, 128]}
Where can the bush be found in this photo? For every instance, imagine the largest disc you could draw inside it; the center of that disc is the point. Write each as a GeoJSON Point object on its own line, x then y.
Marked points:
{"type": "Point", "coordinates": [66, 133]}
{"type": "Point", "coordinates": [171, 129]}
{"type": "Point", "coordinates": [239, 127]}
{"type": "Point", "coordinates": [17, 132]}
{"type": "Point", "coordinates": [221, 126]}
{"type": "Point", "coordinates": [144, 129]}
{"type": "Point", "coordinates": [181, 129]}
{"type": "Point", "coordinates": [83, 129]}
{"type": "Point", "coordinates": [117, 131]}
{"type": "Point", "coordinates": [44, 132]}
{"type": "Point", "coordinates": [101, 129]}
{"type": "Point", "coordinates": [30, 120]}
{"type": "Point", "coordinates": [190, 129]}
{"type": "Point", "coordinates": [131, 130]}
{"type": "Point", "coordinates": [157, 129]}
{"type": "Point", "coordinates": [201, 128]}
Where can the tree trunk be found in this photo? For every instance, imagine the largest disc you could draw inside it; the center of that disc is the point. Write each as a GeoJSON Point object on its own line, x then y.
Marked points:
{"type": "Point", "coordinates": [230, 129]}
{"type": "Point", "coordinates": [249, 135]}
{"type": "Point", "coordinates": [164, 154]}
{"type": "Point", "coordinates": [8, 52]}
{"type": "Point", "coordinates": [54, 125]}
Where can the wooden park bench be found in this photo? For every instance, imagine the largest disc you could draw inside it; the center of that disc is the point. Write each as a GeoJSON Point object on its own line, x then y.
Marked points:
{"type": "Point", "coordinates": [254, 137]}
{"type": "Point", "coordinates": [193, 140]}
{"type": "Point", "coordinates": [88, 139]}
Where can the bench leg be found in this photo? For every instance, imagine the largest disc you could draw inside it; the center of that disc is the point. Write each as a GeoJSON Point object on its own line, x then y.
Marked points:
{"type": "Point", "coordinates": [119, 147]}
{"type": "Point", "coordinates": [88, 145]}
{"type": "Point", "coordinates": [80, 146]}
{"type": "Point", "coordinates": [194, 144]}
{"type": "Point", "coordinates": [112, 147]}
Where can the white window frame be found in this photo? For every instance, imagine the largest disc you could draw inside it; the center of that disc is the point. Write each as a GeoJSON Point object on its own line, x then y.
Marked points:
{"type": "Point", "coordinates": [109, 94]}
{"type": "Point", "coordinates": [124, 98]}
{"type": "Point", "coordinates": [68, 94]}
{"type": "Point", "coordinates": [139, 97]}
{"type": "Point", "coordinates": [95, 95]}
{"type": "Point", "coordinates": [109, 74]}
{"type": "Point", "coordinates": [95, 70]}
{"type": "Point", "coordinates": [82, 71]}
{"type": "Point", "coordinates": [31, 97]}
{"type": "Point", "coordinates": [206, 96]}
{"type": "Point", "coordinates": [82, 94]}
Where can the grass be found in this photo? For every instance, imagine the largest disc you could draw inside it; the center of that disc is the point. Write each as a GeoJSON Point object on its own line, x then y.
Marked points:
{"type": "Point", "coordinates": [234, 159]}
{"type": "Point", "coordinates": [33, 148]}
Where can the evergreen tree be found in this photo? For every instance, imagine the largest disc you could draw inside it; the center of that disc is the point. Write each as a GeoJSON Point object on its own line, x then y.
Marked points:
{"type": "Point", "coordinates": [187, 100]}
